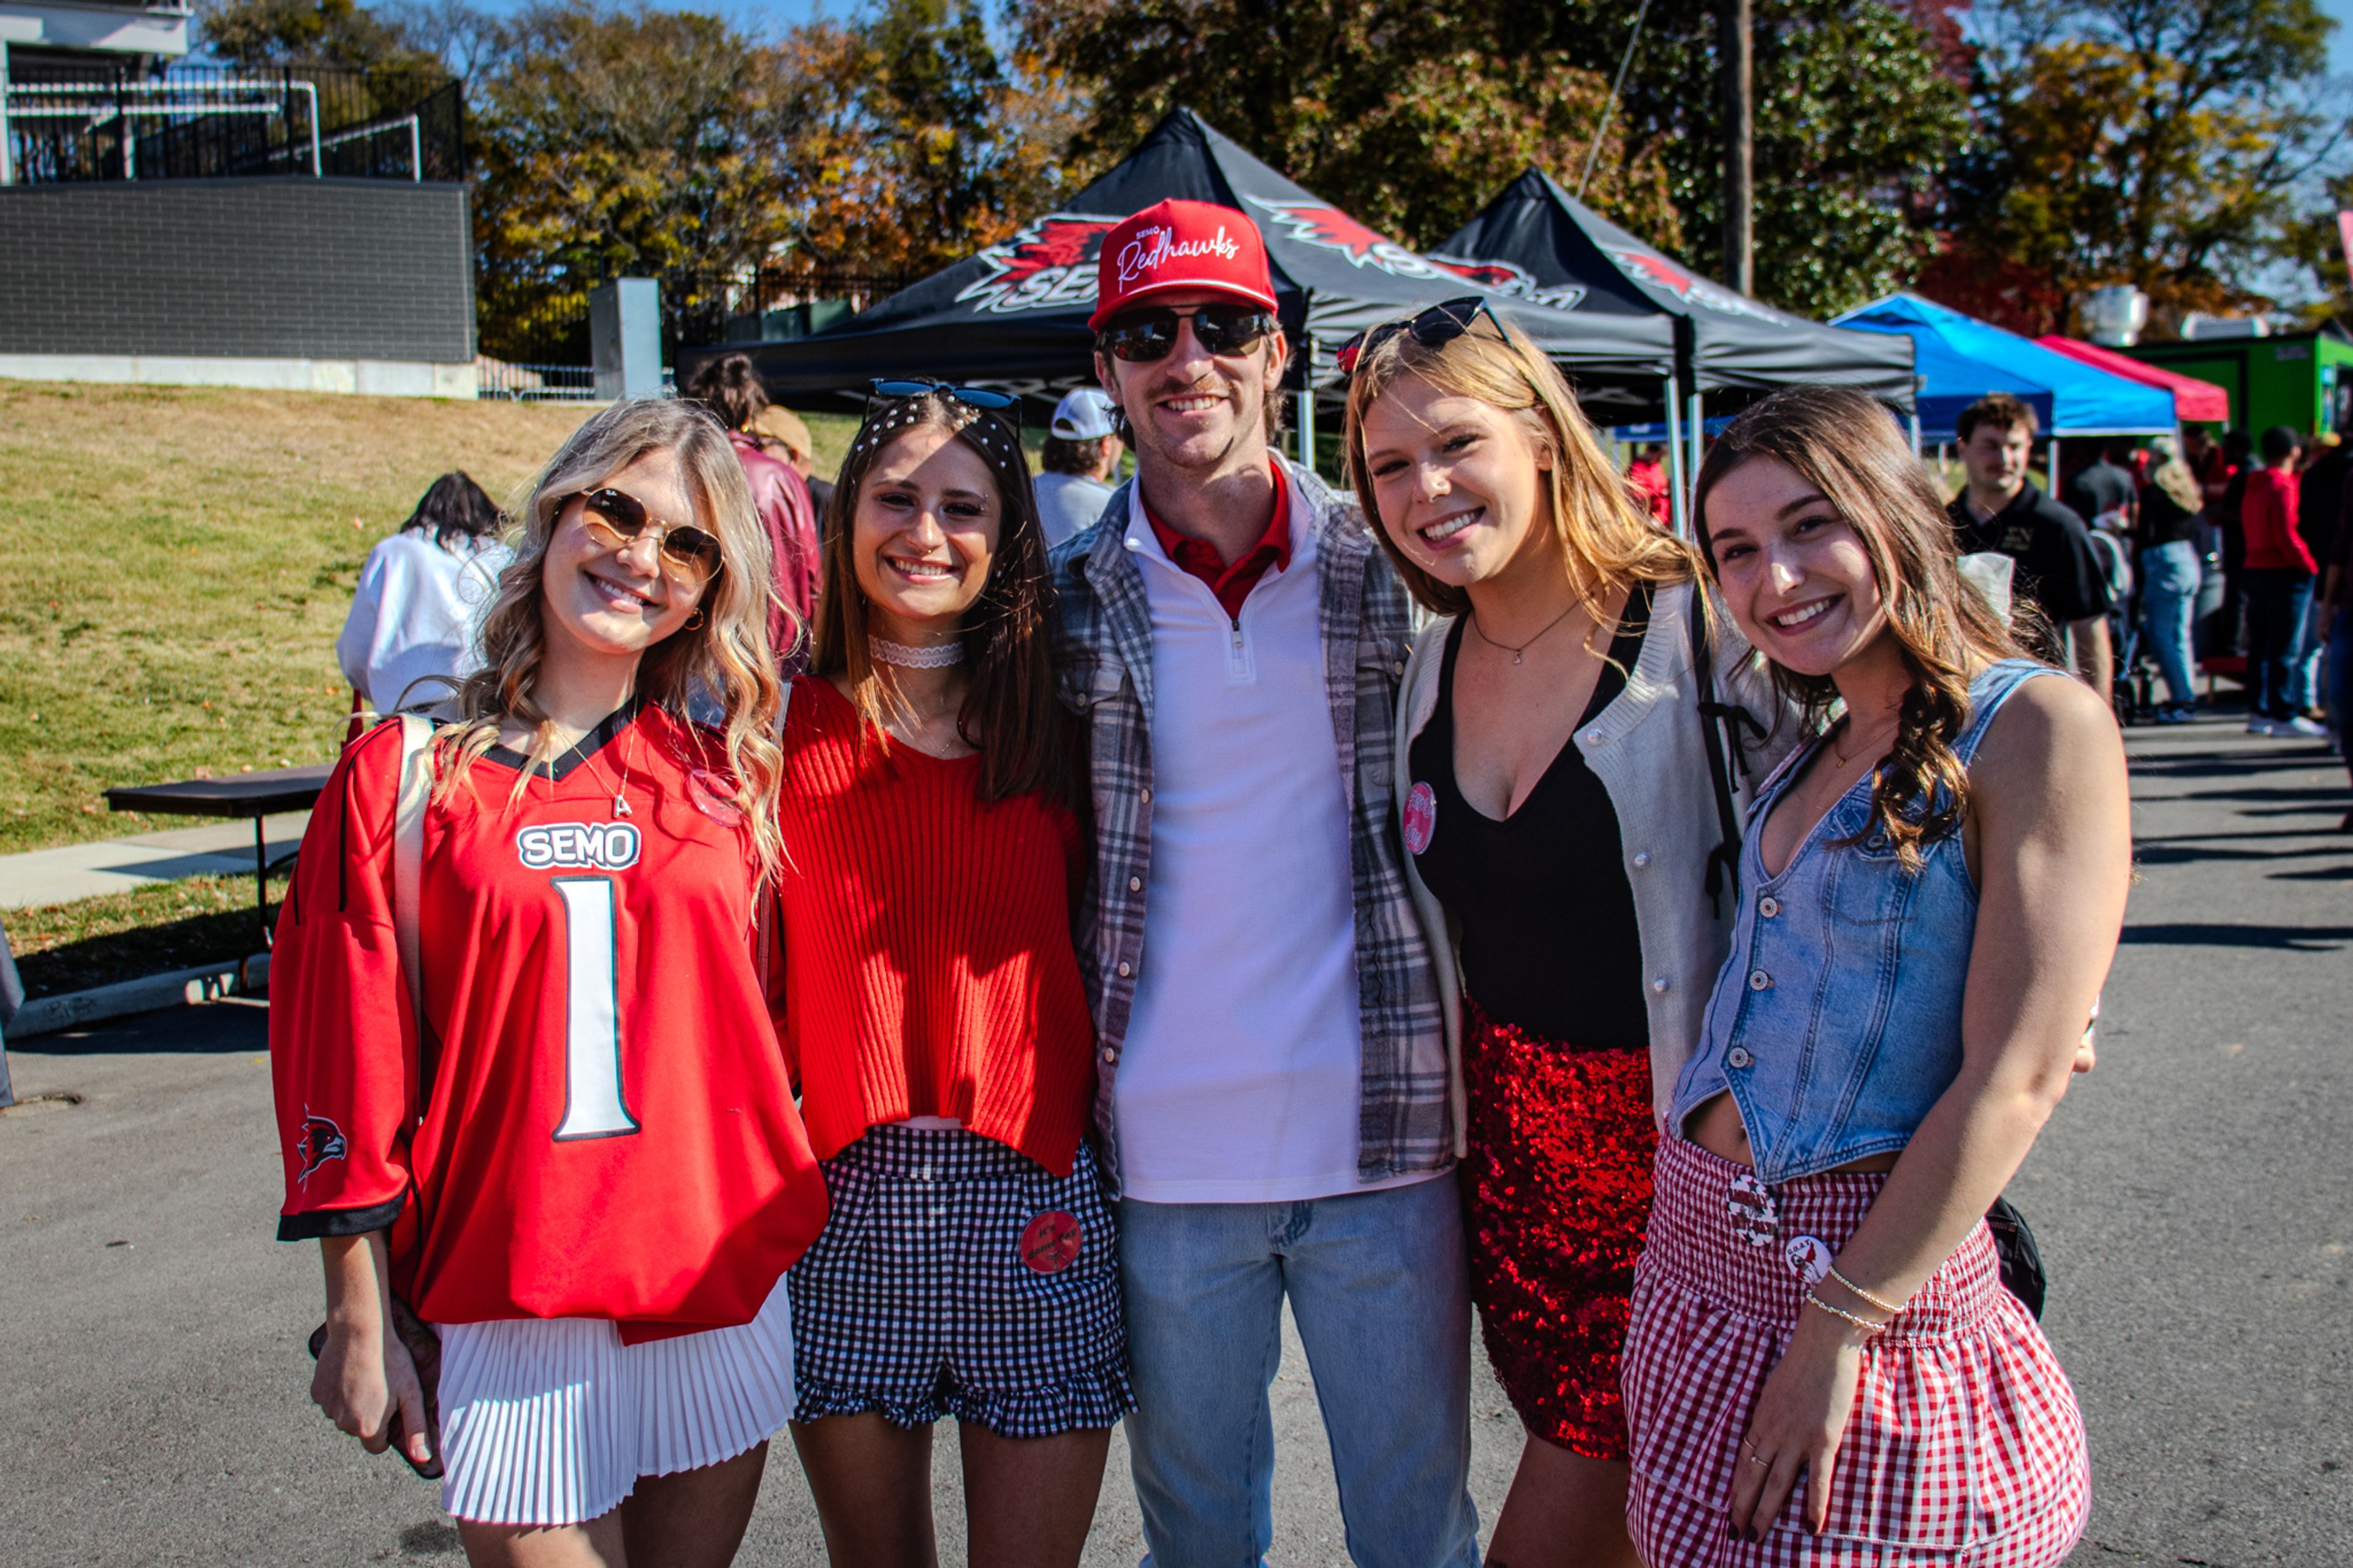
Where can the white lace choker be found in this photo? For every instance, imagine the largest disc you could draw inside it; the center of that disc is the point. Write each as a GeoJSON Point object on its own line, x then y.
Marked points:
{"type": "Point", "coordinates": [939, 656]}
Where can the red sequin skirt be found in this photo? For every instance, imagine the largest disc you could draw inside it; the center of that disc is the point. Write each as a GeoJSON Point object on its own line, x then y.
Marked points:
{"type": "Point", "coordinates": [1557, 1189]}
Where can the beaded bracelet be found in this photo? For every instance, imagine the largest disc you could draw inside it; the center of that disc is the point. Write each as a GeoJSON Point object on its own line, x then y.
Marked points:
{"type": "Point", "coordinates": [1859, 1322]}
{"type": "Point", "coordinates": [1890, 1308]}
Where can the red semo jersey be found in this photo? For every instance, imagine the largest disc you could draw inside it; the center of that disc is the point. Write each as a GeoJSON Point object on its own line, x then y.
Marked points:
{"type": "Point", "coordinates": [606, 1128]}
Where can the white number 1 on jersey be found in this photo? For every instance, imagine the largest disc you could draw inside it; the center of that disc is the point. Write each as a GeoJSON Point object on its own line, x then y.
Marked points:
{"type": "Point", "coordinates": [592, 1024]}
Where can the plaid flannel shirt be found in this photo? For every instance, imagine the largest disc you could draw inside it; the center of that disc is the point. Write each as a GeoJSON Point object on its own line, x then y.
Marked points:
{"type": "Point", "coordinates": [1103, 652]}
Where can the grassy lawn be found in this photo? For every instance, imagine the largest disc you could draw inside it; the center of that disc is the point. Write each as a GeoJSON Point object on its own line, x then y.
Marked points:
{"type": "Point", "coordinates": [148, 930]}
{"type": "Point", "coordinates": [179, 561]}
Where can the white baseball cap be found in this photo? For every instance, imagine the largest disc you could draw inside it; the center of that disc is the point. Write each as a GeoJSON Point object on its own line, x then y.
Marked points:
{"type": "Point", "coordinates": [1083, 416]}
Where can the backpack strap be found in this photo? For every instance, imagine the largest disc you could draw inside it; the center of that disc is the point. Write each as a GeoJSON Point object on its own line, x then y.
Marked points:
{"type": "Point", "coordinates": [408, 871]}
{"type": "Point", "coordinates": [1714, 715]}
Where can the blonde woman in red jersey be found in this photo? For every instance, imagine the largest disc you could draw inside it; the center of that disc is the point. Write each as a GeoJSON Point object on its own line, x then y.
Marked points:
{"type": "Point", "coordinates": [576, 1155]}
{"type": "Point", "coordinates": [935, 1014]}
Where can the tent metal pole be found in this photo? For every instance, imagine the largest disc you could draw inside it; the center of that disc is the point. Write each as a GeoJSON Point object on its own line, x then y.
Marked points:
{"type": "Point", "coordinates": [1678, 510]}
{"type": "Point", "coordinates": [1695, 433]}
{"type": "Point", "coordinates": [1307, 412]}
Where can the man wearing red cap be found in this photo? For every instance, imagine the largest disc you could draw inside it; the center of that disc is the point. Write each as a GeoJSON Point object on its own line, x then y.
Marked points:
{"type": "Point", "coordinates": [1273, 1087]}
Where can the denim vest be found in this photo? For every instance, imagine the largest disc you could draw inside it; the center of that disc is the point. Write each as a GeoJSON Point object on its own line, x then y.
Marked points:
{"type": "Point", "coordinates": [1836, 1022]}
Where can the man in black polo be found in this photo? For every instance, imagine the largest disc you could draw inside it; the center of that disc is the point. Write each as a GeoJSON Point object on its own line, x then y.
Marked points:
{"type": "Point", "coordinates": [1998, 510]}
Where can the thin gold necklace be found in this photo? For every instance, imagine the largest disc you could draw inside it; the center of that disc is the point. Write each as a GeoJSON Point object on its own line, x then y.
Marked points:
{"type": "Point", "coordinates": [621, 789]}
{"type": "Point", "coordinates": [1517, 652]}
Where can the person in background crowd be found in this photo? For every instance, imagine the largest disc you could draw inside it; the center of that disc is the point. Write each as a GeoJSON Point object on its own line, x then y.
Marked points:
{"type": "Point", "coordinates": [420, 591]}
{"type": "Point", "coordinates": [1081, 454]}
{"type": "Point", "coordinates": [1648, 474]}
{"type": "Point", "coordinates": [2000, 509]}
{"type": "Point", "coordinates": [530, 1087]}
{"type": "Point", "coordinates": [2277, 580]}
{"type": "Point", "coordinates": [1274, 1073]}
{"type": "Point", "coordinates": [780, 428]}
{"type": "Point", "coordinates": [2226, 632]}
{"type": "Point", "coordinates": [2320, 499]}
{"type": "Point", "coordinates": [2102, 492]}
{"type": "Point", "coordinates": [2335, 617]}
{"type": "Point", "coordinates": [1823, 1365]}
{"type": "Point", "coordinates": [2169, 573]}
{"type": "Point", "coordinates": [1563, 808]}
{"type": "Point", "coordinates": [731, 389]}
{"type": "Point", "coordinates": [936, 1021]}
{"type": "Point", "coordinates": [2207, 464]}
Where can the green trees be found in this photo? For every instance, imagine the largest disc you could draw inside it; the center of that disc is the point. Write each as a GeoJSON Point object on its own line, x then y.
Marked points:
{"type": "Point", "coordinates": [2163, 144]}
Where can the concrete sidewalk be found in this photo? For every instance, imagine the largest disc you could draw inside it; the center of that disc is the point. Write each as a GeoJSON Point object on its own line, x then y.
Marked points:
{"type": "Point", "coordinates": [118, 865]}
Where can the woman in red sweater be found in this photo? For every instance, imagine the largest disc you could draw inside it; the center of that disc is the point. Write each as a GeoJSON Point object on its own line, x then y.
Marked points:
{"type": "Point", "coordinates": [933, 1015]}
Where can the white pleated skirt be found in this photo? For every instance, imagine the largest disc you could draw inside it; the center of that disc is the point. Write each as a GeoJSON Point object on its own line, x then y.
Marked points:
{"type": "Point", "coordinates": [551, 1421]}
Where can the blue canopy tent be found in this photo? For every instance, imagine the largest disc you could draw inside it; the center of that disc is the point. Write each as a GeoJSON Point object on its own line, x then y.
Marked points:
{"type": "Point", "coordinates": [1960, 359]}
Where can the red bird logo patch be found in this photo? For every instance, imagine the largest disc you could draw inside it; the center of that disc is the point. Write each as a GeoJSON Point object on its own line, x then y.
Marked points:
{"type": "Point", "coordinates": [1329, 229]}
{"type": "Point", "coordinates": [322, 1140]}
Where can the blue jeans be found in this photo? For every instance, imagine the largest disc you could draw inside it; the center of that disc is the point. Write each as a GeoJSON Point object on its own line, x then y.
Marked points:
{"type": "Point", "coordinates": [2168, 594]}
{"type": "Point", "coordinates": [1380, 1287]}
{"type": "Point", "coordinates": [2277, 598]}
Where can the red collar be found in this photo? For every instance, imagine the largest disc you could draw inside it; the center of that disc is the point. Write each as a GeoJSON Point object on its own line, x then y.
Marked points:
{"type": "Point", "coordinates": [1276, 539]}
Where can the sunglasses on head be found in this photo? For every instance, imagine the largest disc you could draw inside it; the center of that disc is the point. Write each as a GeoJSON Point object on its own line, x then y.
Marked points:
{"type": "Point", "coordinates": [690, 555]}
{"type": "Point", "coordinates": [890, 389]}
{"type": "Point", "coordinates": [1142, 336]}
{"type": "Point", "coordinates": [1441, 323]}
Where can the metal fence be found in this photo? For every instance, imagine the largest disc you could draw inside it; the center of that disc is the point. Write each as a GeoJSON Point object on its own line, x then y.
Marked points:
{"type": "Point", "coordinates": [534, 383]}
{"type": "Point", "coordinates": [698, 308]}
{"type": "Point", "coordinates": [66, 123]}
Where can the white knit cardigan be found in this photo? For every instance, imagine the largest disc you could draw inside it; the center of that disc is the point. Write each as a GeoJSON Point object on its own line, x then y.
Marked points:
{"type": "Point", "coordinates": [1647, 749]}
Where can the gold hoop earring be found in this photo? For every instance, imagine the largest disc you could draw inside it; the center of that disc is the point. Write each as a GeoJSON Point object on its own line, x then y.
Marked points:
{"type": "Point", "coordinates": [694, 619]}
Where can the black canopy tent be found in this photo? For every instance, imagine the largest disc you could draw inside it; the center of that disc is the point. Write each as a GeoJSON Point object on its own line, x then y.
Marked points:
{"type": "Point", "coordinates": [1015, 315]}
{"type": "Point", "coordinates": [1537, 238]}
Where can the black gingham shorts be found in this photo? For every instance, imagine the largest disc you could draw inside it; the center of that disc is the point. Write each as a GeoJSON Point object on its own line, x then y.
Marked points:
{"type": "Point", "coordinates": [916, 1300]}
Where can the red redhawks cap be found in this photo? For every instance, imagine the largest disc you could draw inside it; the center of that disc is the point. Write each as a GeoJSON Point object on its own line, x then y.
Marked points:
{"type": "Point", "coordinates": [1181, 245]}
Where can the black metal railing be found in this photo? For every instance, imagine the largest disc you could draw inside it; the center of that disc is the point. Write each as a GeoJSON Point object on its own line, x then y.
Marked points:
{"type": "Point", "coordinates": [549, 326]}
{"type": "Point", "coordinates": [68, 124]}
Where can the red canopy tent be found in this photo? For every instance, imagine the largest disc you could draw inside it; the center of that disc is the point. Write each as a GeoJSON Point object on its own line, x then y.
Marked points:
{"type": "Point", "coordinates": [2194, 401]}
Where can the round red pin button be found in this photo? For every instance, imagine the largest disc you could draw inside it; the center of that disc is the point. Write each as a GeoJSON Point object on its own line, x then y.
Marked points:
{"type": "Point", "coordinates": [1050, 1243]}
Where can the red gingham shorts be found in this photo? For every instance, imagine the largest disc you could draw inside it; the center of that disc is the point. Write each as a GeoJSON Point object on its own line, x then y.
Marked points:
{"type": "Point", "coordinates": [1965, 1445]}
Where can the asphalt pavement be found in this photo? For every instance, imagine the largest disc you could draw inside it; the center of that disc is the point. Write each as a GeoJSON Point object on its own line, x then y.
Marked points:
{"type": "Point", "coordinates": [2193, 1199]}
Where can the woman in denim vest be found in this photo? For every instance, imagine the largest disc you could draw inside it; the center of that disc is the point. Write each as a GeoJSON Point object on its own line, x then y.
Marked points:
{"type": "Point", "coordinates": [1823, 1364]}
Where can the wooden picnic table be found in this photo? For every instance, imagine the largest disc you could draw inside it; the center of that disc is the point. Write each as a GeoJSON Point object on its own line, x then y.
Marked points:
{"type": "Point", "coordinates": [233, 796]}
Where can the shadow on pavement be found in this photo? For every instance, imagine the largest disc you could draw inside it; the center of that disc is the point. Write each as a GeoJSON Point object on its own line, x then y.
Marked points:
{"type": "Point", "coordinates": [2295, 939]}
{"type": "Point", "coordinates": [217, 1028]}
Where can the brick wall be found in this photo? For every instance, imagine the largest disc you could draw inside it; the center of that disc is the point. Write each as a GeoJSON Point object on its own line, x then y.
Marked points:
{"type": "Point", "coordinates": [261, 268]}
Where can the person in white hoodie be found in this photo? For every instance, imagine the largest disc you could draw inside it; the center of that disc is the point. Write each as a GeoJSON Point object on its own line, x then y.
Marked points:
{"type": "Point", "coordinates": [419, 597]}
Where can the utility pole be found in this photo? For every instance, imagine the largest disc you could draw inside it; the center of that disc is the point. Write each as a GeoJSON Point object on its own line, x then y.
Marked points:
{"type": "Point", "coordinates": [1734, 53]}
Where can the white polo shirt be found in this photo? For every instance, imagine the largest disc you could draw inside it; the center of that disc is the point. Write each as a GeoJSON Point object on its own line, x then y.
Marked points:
{"type": "Point", "coordinates": [1241, 1073]}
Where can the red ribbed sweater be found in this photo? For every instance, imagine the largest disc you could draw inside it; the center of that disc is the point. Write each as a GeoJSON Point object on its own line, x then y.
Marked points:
{"type": "Point", "coordinates": [928, 967]}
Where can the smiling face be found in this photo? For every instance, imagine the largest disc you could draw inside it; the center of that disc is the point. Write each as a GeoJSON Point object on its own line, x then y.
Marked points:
{"type": "Point", "coordinates": [1459, 483]}
{"type": "Point", "coordinates": [619, 597]}
{"type": "Point", "coordinates": [1795, 574]}
{"type": "Point", "coordinates": [1194, 410]}
{"type": "Point", "coordinates": [927, 529]}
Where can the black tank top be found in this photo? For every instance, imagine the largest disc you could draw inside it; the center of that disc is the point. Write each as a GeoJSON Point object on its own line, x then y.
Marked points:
{"type": "Point", "coordinates": [1546, 912]}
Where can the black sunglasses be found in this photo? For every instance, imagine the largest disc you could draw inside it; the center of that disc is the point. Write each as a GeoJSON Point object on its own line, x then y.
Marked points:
{"type": "Point", "coordinates": [1441, 323]}
{"type": "Point", "coordinates": [690, 552]}
{"type": "Point", "coordinates": [1142, 336]}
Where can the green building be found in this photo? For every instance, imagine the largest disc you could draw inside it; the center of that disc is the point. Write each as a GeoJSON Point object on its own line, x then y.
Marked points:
{"type": "Point", "coordinates": [2296, 379]}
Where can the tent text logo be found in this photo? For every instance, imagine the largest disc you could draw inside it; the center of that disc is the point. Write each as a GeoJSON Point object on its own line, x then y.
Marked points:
{"type": "Point", "coordinates": [1512, 282]}
{"type": "Point", "coordinates": [1328, 228]}
{"type": "Point", "coordinates": [1659, 273]}
{"type": "Point", "coordinates": [1049, 266]}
